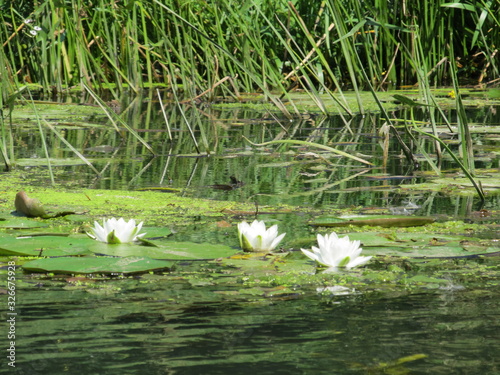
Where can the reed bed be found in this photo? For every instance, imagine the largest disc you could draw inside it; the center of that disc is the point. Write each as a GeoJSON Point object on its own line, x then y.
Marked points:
{"type": "Point", "coordinates": [258, 45]}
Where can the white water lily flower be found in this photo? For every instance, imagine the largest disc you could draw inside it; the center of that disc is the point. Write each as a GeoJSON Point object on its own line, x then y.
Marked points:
{"type": "Point", "coordinates": [255, 237]}
{"type": "Point", "coordinates": [337, 252]}
{"type": "Point", "coordinates": [116, 231]}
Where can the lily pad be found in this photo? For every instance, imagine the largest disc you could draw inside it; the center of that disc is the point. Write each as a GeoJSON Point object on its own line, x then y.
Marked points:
{"type": "Point", "coordinates": [55, 245]}
{"type": "Point", "coordinates": [21, 223]}
{"type": "Point", "coordinates": [166, 250]}
{"type": "Point", "coordinates": [101, 265]}
{"type": "Point", "coordinates": [32, 207]}
{"type": "Point", "coordinates": [387, 221]}
{"type": "Point", "coordinates": [44, 246]}
{"type": "Point", "coordinates": [457, 185]}
{"type": "Point", "coordinates": [417, 245]}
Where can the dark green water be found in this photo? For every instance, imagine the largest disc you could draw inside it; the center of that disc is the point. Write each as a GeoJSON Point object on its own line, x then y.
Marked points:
{"type": "Point", "coordinates": [273, 174]}
{"type": "Point", "coordinates": [158, 325]}
{"type": "Point", "coordinates": [170, 324]}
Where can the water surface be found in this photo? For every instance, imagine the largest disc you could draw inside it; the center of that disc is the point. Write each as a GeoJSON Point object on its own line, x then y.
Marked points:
{"type": "Point", "coordinates": [176, 324]}
{"type": "Point", "coordinates": [169, 327]}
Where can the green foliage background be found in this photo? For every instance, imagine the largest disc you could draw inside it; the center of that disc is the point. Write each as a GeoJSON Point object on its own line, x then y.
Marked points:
{"type": "Point", "coordinates": [229, 46]}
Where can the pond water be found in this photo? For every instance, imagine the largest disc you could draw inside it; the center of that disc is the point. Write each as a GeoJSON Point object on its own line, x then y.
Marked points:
{"type": "Point", "coordinates": [207, 163]}
{"type": "Point", "coordinates": [183, 323]}
{"type": "Point", "coordinates": [163, 326]}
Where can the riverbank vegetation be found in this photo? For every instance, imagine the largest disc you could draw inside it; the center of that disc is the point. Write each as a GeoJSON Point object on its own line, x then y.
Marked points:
{"type": "Point", "coordinates": [226, 47]}
{"type": "Point", "coordinates": [198, 51]}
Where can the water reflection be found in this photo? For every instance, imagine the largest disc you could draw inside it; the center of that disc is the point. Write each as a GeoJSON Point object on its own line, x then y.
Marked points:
{"type": "Point", "coordinates": [171, 328]}
{"type": "Point", "coordinates": [203, 147]}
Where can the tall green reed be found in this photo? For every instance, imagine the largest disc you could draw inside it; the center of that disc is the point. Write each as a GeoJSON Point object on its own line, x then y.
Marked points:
{"type": "Point", "coordinates": [466, 160]}
{"type": "Point", "coordinates": [42, 137]}
{"type": "Point", "coordinates": [117, 120]}
{"type": "Point", "coordinates": [195, 44]}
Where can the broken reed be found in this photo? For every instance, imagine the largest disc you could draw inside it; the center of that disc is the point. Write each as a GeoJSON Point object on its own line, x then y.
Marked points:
{"type": "Point", "coordinates": [260, 44]}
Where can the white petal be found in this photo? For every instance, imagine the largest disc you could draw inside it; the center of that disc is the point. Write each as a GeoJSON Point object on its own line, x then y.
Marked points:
{"type": "Point", "coordinates": [276, 241]}
{"type": "Point", "coordinates": [358, 261]}
{"type": "Point", "coordinates": [99, 232]}
{"type": "Point", "coordinates": [138, 229]}
{"type": "Point", "coordinates": [322, 240]}
{"type": "Point", "coordinates": [310, 255]}
{"type": "Point", "coordinates": [125, 230]}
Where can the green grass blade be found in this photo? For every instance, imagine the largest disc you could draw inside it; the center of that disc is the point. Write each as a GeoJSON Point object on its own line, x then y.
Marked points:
{"type": "Point", "coordinates": [311, 144]}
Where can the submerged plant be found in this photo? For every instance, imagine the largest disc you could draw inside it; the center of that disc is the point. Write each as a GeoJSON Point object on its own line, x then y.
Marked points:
{"type": "Point", "coordinates": [115, 231]}
{"type": "Point", "coordinates": [255, 237]}
{"type": "Point", "coordinates": [336, 252]}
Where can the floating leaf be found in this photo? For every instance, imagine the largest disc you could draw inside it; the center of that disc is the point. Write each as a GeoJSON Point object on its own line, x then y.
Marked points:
{"type": "Point", "coordinates": [408, 101]}
{"type": "Point", "coordinates": [381, 221]}
{"type": "Point", "coordinates": [57, 245]}
{"type": "Point", "coordinates": [154, 233]}
{"type": "Point", "coordinates": [21, 223]}
{"type": "Point", "coordinates": [423, 245]}
{"type": "Point", "coordinates": [30, 207]}
{"type": "Point", "coordinates": [166, 250]}
{"type": "Point", "coordinates": [44, 246]}
{"type": "Point", "coordinates": [96, 265]}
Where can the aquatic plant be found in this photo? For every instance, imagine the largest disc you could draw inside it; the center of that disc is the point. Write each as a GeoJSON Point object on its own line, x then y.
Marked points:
{"type": "Point", "coordinates": [336, 252]}
{"type": "Point", "coordinates": [255, 237]}
{"type": "Point", "coordinates": [217, 48]}
{"type": "Point", "coordinates": [115, 231]}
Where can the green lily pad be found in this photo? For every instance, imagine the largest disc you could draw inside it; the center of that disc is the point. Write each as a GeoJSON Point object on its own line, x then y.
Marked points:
{"type": "Point", "coordinates": [43, 246]}
{"type": "Point", "coordinates": [409, 101]}
{"type": "Point", "coordinates": [153, 233]}
{"type": "Point", "coordinates": [96, 265]}
{"type": "Point", "coordinates": [421, 245]}
{"type": "Point", "coordinates": [56, 245]}
{"type": "Point", "coordinates": [166, 250]}
{"type": "Point", "coordinates": [387, 221]}
{"type": "Point", "coordinates": [457, 185]}
{"type": "Point", "coordinates": [21, 223]}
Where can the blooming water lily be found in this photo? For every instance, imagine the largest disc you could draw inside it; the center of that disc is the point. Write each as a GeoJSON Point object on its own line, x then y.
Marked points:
{"type": "Point", "coordinates": [255, 237]}
{"type": "Point", "coordinates": [337, 252]}
{"type": "Point", "coordinates": [116, 231]}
